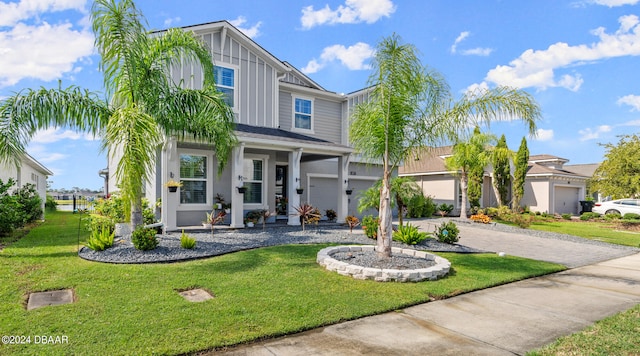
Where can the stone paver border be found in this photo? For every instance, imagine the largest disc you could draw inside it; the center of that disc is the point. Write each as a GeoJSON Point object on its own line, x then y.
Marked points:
{"type": "Point", "coordinates": [440, 269]}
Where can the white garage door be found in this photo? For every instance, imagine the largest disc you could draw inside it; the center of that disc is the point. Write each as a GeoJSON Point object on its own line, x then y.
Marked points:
{"type": "Point", "coordinates": [324, 195]}
{"type": "Point", "coordinates": [566, 200]}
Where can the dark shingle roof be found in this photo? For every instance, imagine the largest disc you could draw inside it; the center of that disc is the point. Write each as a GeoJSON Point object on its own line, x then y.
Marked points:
{"type": "Point", "coordinates": [244, 130]}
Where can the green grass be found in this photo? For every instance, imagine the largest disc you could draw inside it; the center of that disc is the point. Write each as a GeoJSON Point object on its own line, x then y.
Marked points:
{"type": "Point", "coordinates": [601, 231]}
{"type": "Point", "coordinates": [615, 335]}
{"type": "Point", "coordinates": [135, 309]}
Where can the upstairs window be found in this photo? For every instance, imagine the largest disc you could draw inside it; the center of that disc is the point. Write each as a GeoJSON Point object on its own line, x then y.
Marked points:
{"type": "Point", "coordinates": [225, 83]}
{"type": "Point", "coordinates": [303, 112]}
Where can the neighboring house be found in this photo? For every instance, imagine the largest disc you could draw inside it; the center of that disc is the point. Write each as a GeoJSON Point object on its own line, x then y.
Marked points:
{"type": "Point", "coordinates": [292, 134]}
{"type": "Point", "coordinates": [549, 186]}
{"type": "Point", "coordinates": [29, 172]}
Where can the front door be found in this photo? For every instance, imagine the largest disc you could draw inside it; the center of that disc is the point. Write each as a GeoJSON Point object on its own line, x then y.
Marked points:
{"type": "Point", "coordinates": [281, 191]}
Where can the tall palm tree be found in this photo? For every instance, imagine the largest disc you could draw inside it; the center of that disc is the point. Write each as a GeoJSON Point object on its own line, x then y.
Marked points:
{"type": "Point", "coordinates": [410, 107]}
{"type": "Point", "coordinates": [142, 107]}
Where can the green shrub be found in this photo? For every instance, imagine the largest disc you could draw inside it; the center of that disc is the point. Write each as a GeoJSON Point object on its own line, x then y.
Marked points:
{"type": "Point", "coordinates": [589, 216]}
{"type": "Point", "coordinates": [112, 207]}
{"type": "Point", "coordinates": [444, 209]}
{"type": "Point", "coordinates": [50, 203]}
{"type": "Point", "coordinates": [447, 232]}
{"type": "Point", "coordinates": [29, 202]}
{"type": "Point", "coordinates": [187, 241]}
{"type": "Point", "coordinates": [420, 207]}
{"type": "Point", "coordinates": [522, 220]}
{"type": "Point", "coordinates": [614, 216]}
{"type": "Point", "coordinates": [331, 214]}
{"type": "Point", "coordinates": [566, 216]}
{"type": "Point", "coordinates": [98, 222]}
{"type": "Point", "coordinates": [144, 239]}
{"type": "Point", "coordinates": [631, 216]}
{"type": "Point", "coordinates": [370, 226]}
{"type": "Point", "coordinates": [101, 239]}
{"type": "Point", "coordinates": [409, 235]}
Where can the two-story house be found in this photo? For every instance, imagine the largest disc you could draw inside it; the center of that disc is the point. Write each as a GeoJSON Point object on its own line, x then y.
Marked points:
{"type": "Point", "coordinates": [292, 133]}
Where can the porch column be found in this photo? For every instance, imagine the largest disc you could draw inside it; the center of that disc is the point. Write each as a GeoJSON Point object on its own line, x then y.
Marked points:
{"type": "Point", "coordinates": [237, 199]}
{"type": "Point", "coordinates": [170, 170]}
{"type": "Point", "coordinates": [293, 181]}
{"type": "Point", "coordinates": [343, 184]}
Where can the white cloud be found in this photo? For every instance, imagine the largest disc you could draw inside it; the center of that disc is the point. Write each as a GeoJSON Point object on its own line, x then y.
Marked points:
{"type": "Point", "coordinates": [39, 50]}
{"type": "Point", "coordinates": [544, 135]}
{"type": "Point", "coordinates": [590, 134]}
{"type": "Point", "coordinates": [251, 32]}
{"type": "Point", "coordinates": [352, 57]}
{"type": "Point", "coordinates": [536, 68]}
{"type": "Point", "coordinates": [53, 134]}
{"type": "Point", "coordinates": [353, 11]}
{"type": "Point", "coordinates": [14, 12]}
{"type": "Point", "coordinates": [469, 52]}
{"type": "Point", "coordinates": [459, 39]}
{"type": "Point", "coordinates": [614, 3]}
{"type": "Point", "coordinates": [483, 52]}
{"type": "Point", "coordinates": [172, 20]}
{"type": "Point", "coordinates": [631, 100]}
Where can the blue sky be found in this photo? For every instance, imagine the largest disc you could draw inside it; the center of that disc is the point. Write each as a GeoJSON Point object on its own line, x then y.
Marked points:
{"type": "Point", "coordinates": [578, 58]}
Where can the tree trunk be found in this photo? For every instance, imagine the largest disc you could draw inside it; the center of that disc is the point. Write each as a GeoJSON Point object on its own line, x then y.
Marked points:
{"type": "Point", "coordinates": [463, 188]}
{"type": "Point", "coordinates": [136, 212]}
{"type": "Point", "coordinates": [496, 191]}
{"type": "Point", "coordinates": [400, 205]}
{"type": "Point", "coordinates": [385, 229]}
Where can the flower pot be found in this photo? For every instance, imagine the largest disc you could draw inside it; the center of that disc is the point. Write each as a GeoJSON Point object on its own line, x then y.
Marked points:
{"type": "Point", "coordinates": [249, 224]}
{"type": "Point", "coordinates": [242, 190]}
{"type": "Point", "coordinates": [206, 225]}
{"type": "Point", "coordinates": [349, 191]}
{"type": "Point", "coordinates": [300, 191]}
{"type": "Point", "coordinates": [173, 189]}
{"type": "Point", "coordinates": [218, 206]}
{"type": "Point", "coordinates": [227, 211]}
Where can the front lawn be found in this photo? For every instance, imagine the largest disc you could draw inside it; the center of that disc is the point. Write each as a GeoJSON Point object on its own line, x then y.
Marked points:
{"type": "Point", "coordinates": [611, 232]}
{"type": "Point", "coordinates": [136, 309]}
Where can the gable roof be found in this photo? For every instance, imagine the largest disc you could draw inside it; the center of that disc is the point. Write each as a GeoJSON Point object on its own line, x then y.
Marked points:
{"type": "Point", "coordinates": [427, 161]}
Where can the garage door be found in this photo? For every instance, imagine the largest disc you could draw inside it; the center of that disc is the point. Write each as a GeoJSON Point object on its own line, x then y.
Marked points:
{"type": "Point", "coordinates": [324, 195]}
{"type": "Point", "coordinates": [566, 200]}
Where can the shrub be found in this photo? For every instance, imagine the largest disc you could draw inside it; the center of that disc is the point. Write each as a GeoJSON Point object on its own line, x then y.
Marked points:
{"type": "Point", "coordinates": [589, 216]}
{"type": "Point", "coordinates": [409, 235]}
{"type": "Point", "coordinates": [480, 218]}
{"type": "Point", "coordinates": [101, 239]}
{"type": "Point", "coordinates": [522, 220]}
{"type": "Point", "coordinates": [29, 202]}
{"type": "Point", "coordinates": [370, 226]}
{"type": "Point", "coordinates": [352, 221]}
{"type": "Point", "coordinates": [10, 217]}
{"type": "Point", "coordinates": [307, 214]}
{"type": "Point", "coordinates": [566, 216]}
{"type": "Point", "coordinates": [50, 203]}
{"type": "Point", "coordinates": [447, 232]}
{"type": "Point", "coordinates": [331, 214]}
{"type": "Point", "coordinates": [444, 209]}
{"type": "Point", "coordinates": [610, 217]}
{"type": "Point", "coordinates": [144, 239]}
{"type": "Point", "coordinates": [631, 216]}
{"type": "Point", "coordinates": [420, 207]}
{"type": "Point", "coordinates": [187, 241]}
{"type": "Point", "coordinates": [98, 222]}
{"type": "Point", "coordinates": [112, 207]}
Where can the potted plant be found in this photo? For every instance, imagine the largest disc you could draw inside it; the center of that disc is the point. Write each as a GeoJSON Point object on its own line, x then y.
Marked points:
{"type": "Point", "coordinates": [299, 190]}
{"type": "Point", "coordinates": [173, 185]}
{"type": "Point", "coordinates": [349, 191]}
{"type": "Point", "coordinates": [242, 189]}
{"type": "Point", "coordinates": [253, 217]}
{"type": "Point", "coordinates": [220, 201]}
{"type": "Point", "coordinates": [331, 215]}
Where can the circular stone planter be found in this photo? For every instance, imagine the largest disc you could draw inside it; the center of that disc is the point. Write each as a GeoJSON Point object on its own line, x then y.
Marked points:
{"type": "Point", "coordinates": [440, 269]}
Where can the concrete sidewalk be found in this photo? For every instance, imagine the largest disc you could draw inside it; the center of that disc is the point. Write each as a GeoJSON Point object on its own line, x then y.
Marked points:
{"type": "Point", "coordinates": [505, 320]}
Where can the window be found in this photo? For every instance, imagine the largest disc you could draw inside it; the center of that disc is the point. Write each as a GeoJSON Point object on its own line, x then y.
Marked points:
{"type": "Point", "coordinates": [253, 174]}
{"type": "Point", "coordinates": [302, 114]}
{"type": "Point", "coordinates": [193, 175]}
{"type": "Point", "coordinates": [225, 83]}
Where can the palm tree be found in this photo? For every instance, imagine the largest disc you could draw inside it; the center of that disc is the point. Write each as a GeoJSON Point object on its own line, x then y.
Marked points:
{"type": "Point", "coordinates": [143, 106]}
{"type": "Point", "coordinates": [411, 107]}
{"type": "Point", "coordinates": [403, 189]}
{"type": "Point", "coordinates": [469, 156]}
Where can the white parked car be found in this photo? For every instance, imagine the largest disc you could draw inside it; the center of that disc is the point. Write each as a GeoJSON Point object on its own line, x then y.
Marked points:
{"type": "Point", "coordinates": [620, 206]}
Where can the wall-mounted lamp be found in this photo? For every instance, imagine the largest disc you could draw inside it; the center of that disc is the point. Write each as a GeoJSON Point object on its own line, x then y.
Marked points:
{"type": "Point", "coordinates": [240, 178]}
{"type": "Point", "coordinates": [346, 181]}
{"type": "Point", "coordinates": [297, 179]}
{"type": "Point", "coordinates": [170, 174]}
